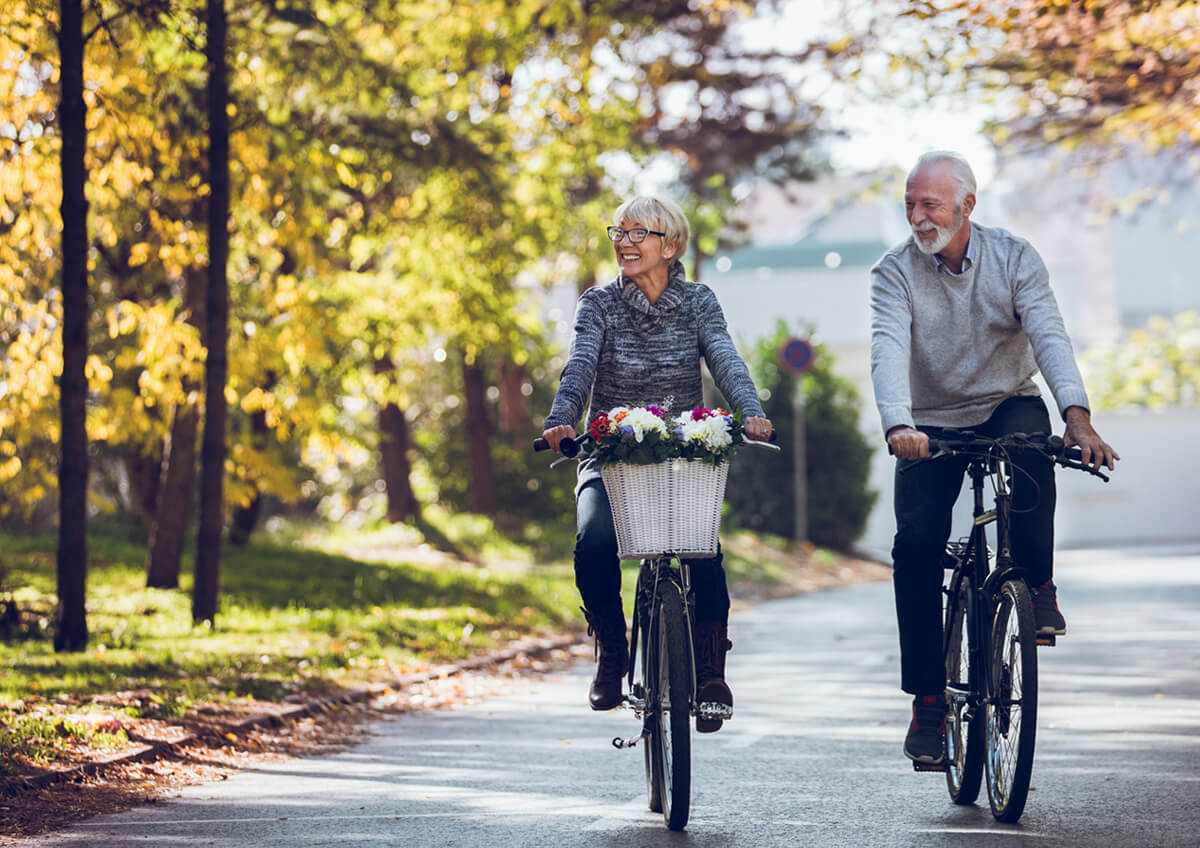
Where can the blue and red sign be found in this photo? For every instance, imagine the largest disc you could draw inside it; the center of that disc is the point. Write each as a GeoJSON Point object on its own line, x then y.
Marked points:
{"type": "Point", "coordinates": [796, 356]}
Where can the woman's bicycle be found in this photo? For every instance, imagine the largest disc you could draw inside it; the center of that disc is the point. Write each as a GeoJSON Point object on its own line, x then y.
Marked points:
{"type": "Point", "coordinates": [990, 640]}
{"type": "Point", "coordinates": [662, 672]}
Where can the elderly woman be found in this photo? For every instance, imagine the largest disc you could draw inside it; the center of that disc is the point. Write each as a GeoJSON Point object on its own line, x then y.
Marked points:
{"type": "Point", "coordinates": [638, 340]}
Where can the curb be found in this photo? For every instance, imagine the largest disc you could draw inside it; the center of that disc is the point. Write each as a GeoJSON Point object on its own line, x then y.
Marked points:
{"type": "Point", "coordinates": [152, 750]}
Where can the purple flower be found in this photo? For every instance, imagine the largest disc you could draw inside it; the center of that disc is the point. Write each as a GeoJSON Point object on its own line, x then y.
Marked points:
{"type": "Point", "coordinates": [626, 432]}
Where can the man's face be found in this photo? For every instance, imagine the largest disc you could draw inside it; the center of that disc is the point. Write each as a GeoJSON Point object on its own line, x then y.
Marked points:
{"type": "Point", "coordinates": [929, 203]}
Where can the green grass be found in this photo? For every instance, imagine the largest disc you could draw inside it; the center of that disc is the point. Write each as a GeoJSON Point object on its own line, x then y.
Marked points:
{"type": "Point", "coordinates": [291, 618]}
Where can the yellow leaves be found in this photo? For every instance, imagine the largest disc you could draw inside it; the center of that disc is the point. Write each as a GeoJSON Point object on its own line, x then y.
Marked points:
{"type": "Point", "coordinates": [138, 254]}
{"type": "Point", "coordinates": [97, 371]}
{"type": "Point", "coordinates": [1155, 366]}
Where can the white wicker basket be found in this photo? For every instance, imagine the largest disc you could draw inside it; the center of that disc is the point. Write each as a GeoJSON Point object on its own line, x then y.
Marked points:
{"type": "Point", "coordinates": [671, 507]}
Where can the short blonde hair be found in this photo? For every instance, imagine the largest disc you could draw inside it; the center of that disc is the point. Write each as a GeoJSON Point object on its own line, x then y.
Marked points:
{"type": "Point", "coordinates": [657, 213]}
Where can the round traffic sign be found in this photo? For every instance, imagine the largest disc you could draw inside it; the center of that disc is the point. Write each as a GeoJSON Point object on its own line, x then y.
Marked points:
{"type": "Point", "coordinates": [796, 356]}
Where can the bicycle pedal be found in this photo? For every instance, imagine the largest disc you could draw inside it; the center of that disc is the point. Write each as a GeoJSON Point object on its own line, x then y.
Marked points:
{"type": "Point", "coordinates": [714, 711]}
{"type": "Point", "coordinates": [1047, 639]}
{"type": "Point", "coordinates": [923, 766]}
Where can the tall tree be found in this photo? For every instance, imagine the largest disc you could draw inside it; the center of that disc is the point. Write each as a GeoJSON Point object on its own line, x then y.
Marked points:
{"type": "Point", "coordinates": [211, 524]}
{"type": "Point", "coordinates": [71, 633]}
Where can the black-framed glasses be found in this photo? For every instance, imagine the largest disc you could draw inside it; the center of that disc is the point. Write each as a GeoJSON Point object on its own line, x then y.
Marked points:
{"type": "Point", "coordinates": [636, 236]}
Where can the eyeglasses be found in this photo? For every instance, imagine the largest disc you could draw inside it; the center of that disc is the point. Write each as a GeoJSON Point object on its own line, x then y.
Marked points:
{"type": "Point", "coordinates": [636, 236]}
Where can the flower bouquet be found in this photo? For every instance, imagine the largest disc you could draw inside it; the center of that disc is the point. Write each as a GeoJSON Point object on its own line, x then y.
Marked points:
{"type": "Point", "coordinates": [644, 435]}
{"type": "Point", "coordinates": [665, 477]}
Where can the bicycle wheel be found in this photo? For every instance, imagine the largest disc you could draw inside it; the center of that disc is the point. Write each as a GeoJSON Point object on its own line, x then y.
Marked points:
{"type": "Point", "coordinates": [673, 716]}
{"type": "Point", "coordinates": [1012, 712]}
{"type": "Point", "coordinates": [964, 735]}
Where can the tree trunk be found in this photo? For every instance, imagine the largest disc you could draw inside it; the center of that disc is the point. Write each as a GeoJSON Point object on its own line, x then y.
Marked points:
{"type": "Point", "coordinates": [144, 473]}
{"type": "Point", "coordinates": [71, 632]}
{"type": "Point", "coordinates": [483, 479]}
{"type": "Point", "coordinates": [395, 441]}
{"type": "Point", "coordinates": [245, 520]}
{"type": "Point", "coordinates": [212, 458]}
{"type": "Point", "coordinates": [514, 404]}
{"type": "Point", "coordinates": [173, 512]}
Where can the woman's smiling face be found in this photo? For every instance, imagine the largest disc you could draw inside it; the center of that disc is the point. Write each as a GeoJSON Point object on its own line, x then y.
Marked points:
{"type": "Point", "coordinates": [637, 259]}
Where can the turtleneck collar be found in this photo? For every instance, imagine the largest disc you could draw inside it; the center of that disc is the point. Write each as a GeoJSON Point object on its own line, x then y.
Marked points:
{"type": "Point", "coordinates": [667, 302]}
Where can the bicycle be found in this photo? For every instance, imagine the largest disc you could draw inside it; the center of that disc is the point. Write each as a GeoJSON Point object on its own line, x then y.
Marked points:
{"type": "Point", "coordinates": [989, 638]}
{"type": "Point", "coordinates": [663, 695]}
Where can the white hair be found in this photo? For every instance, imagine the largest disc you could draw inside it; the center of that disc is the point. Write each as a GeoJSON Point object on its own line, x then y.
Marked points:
{"type": "Point", "coordinates": [960, 171]}
{"type": "Point", "coordinates": [658, 213]}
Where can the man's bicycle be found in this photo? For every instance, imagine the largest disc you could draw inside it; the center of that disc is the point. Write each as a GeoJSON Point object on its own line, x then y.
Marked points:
{"type": "Point", "coordinates": [990, 640]}
{"type": "Point", "coordinates": [662, 672]}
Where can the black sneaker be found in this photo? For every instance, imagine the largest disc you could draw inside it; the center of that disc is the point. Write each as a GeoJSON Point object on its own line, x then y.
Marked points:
{"type": "Point", "coordinates": [926, 740]}
{"type": "Point", "coordinates": [1046, 617]}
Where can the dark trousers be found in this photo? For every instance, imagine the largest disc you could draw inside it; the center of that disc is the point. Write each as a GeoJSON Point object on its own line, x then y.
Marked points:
{"type": "Point", "coordinates": [598, 570]}
{"type": "Point", "coordinates": [925, 496]}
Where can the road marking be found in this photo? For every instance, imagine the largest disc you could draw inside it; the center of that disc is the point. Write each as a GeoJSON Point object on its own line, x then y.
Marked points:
{"type": "Point", "coordinates": [988, 831]}
{"type": "Point", "coordinates": [626, 813]}
{"type": "Point", "coordinates": [490, 814]}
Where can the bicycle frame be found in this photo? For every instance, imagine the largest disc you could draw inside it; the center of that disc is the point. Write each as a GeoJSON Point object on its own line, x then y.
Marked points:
{"type": "Point", "coordinates": [983, 577]}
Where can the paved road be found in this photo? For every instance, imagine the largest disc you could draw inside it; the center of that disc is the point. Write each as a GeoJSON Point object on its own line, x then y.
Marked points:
{"type": "Point", "coordinates": [812, 758]}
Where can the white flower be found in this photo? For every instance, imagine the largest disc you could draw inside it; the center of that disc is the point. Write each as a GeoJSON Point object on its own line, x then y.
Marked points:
{"type": "Point", "coordinates": [712, 432]}
{"type": "Point", "coordinates": [640, 420]}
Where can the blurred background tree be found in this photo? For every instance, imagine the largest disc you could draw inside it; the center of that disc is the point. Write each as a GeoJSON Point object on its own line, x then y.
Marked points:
{"type": "Point", "coordinates": [405, 182]}
{"type": "Point", "coordinates": [1155, 367]}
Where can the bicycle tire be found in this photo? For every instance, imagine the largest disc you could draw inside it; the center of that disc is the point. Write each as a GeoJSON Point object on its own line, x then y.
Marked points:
{"type": "Point", "coordinates": [964, 737]}
{"type": "Point", "coordinates": [648, 663]}
{"type": "Point", "coordinates": [1012, 710]}
{"type": "Point", "coordinates": [674, 708]}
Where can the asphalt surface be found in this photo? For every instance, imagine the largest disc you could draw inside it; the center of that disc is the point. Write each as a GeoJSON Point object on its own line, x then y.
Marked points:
{"type": "Point", "coordinates": [812, 757]}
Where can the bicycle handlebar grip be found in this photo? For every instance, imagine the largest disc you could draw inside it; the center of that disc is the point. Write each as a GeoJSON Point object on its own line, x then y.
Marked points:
{"type": "Point", "coordinates": [568, 446]}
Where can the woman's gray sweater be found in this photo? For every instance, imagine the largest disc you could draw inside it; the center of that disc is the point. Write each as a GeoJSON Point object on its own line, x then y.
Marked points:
{"type": "Point", "coordinates": [626, 351]}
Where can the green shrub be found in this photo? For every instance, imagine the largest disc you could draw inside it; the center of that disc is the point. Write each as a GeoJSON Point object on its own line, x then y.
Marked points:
{"type": "Point", "coordinates": [761, 495]}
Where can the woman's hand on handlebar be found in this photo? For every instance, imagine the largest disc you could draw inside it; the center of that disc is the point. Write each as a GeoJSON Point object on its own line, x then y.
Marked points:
{"type": "Point", "coordinates": [908, 442]}
{"type": "Point", "coordinates": [555, 435]}
{"type": "Point", "coordinates": [758, 429]}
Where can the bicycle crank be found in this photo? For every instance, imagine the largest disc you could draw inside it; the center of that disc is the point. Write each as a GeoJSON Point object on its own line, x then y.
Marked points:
{"type": "Point", "coordinates": [621, 744]}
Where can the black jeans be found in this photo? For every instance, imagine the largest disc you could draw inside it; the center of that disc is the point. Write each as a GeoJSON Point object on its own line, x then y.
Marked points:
{"type": "Point", "coordinates": [598, 570]}
{"type": "Point", "coordinates": [925, 496]}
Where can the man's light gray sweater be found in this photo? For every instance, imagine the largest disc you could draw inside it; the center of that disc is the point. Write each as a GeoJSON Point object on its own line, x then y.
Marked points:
{"type": "Point", "coordinates": [626, 351]}
{"type": "Point", "coordinates": [947, 349]}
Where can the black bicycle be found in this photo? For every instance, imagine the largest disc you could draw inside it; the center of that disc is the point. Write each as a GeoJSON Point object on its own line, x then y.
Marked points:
{"type": "Point", "coordinates": [662, 673]}
{"type": "Point", "coordinates": [990, 639]}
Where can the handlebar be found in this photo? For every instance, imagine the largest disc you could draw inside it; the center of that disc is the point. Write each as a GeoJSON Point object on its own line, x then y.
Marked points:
{"type": "Point", "coordinates": [570, 447]}
{"type": "Point", "coordinates": [971, 444]}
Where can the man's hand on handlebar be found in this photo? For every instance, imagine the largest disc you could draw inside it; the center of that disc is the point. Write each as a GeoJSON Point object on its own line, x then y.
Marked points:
{"type": "Point", "coordinates": [908, 442]}
{"type": "Point", "coordinates": [758, 429]}
{"type": "Point", "coordinates": [555, 435]}
{"type": "Point", "coordinates": [1094, 451]}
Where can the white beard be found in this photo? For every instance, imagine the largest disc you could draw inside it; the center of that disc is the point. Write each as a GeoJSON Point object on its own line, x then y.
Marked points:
{"type": "Point", "coordinates": [944, 234]}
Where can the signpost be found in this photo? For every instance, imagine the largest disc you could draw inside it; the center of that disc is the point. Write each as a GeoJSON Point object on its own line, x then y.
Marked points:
{"type": "Point", "coordinates": [796, 357]}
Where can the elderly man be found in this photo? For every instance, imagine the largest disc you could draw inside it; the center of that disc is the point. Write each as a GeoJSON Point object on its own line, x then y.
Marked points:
{"type": "Point", "coordinates": [962, 319]}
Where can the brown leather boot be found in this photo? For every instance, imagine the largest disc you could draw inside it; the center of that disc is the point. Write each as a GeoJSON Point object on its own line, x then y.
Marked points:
{"type": "Point", "coordinates": [612, 649]}
{"type": "Point", "coordinates": [711, 641]}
